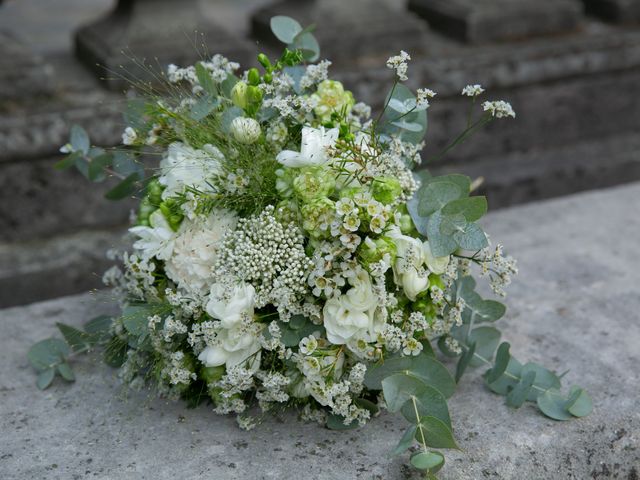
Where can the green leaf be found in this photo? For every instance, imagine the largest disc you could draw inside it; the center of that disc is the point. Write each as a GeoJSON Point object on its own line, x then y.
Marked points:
{"type": "Point", "coordinates": [580, 403]}
{"type": "Point", "coordinates": [471, 237]}
{"type": "Point", "coordinates": [435, 195]}
{"type": "Point", "coordinates": [520, 392]}
{"type": "Point", "coordinates": [97, 166]}
{"type": "Point", "coordinates": [400, 387]}
{"type": "Point", "coordinates": [206, 80]}
{"type": "Point", "coordinates": [472, 208]}
{"type": "Point", "coordinates": [124, 188]}
{"type": "Point", "coordinates": [227, 84]}
{"type": "Point", "coordinates": [486, 340]}
{"type": "Point", "coordinates": [48, 353]}
{"type": "Point", "coordinates": [406, 441]}
{"type": "Point", "coordinates": [436, 433]}
{"type": "Point", "coordinates": [441, 245]}
{"type": "Point", "coordinates": [427, 369]}
{"type": "Point", "coordinates": [488, 311]}
{"type": "Point", "coordinates": [463, 363]}
{"type": "Point", "coordinates": [68, 161]}
{"type": "Point", "coordinates": [502, 361]}
{"type": "Point", "coordinates": [452, 224]}
{"type": "Point", "coordinates": [410, 126]}
{"type": "Point", "coordinates": [427, 460]}
{"type": "Point", "coordinates": [504, 383]}
{"type": "Point", "coordinates": [367, 405]}
{"type": "Point", "coordinates": [545, 379]}
{"type": "Point", "coordinates": [65, 372]}
{"type": "Point", "coordinates": [429, 402]}
{"type": "Point", "coordinates": [401, 95]}
{"type": "Point", "coordinates": [135, 114]}
{"type": "Point", "coordinates": [203, 107]}
{"type": "Point", "coordinates": [553, 405]}
{"type": "Point", "coordinates": [308, 45]}
{"type": "Point", "coordinates": [135, 319]}
{"type": "Point", "coordinates": [76, 339]}
{"type": "Point", "coordinates": [285, 28]}
{"type": "Point", "coordinates": [115, 352]}
{"type": "Point", "coordinates": [336, 422]}
{"type": "Point", "coordinates": [45, 377]}
{"type": "Point", "coordinates": [99, 327]}
{"type": "Point", "coordinates": [124, 163]}
{"type": "Point", "coordinates": [79, 139]}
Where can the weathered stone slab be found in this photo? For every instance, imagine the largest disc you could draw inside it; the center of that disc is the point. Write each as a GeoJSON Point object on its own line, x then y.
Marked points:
{"type": "Point", "coordinates": [489, 20]}
{"type": "Point", "coordinates": [619, 11]}
{"type": "Point", "coordinates": [140, 38]}
{"type": "Point", "coordinates": [354, 33]}
{"type": "Point", "coordinates": [573, 307]}
{"type": "Point", "coordinates": [22, 73]}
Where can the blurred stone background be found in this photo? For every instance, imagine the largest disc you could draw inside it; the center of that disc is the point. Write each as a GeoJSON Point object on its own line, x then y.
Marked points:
{"type": "Point", "coordinates": [570, 68]}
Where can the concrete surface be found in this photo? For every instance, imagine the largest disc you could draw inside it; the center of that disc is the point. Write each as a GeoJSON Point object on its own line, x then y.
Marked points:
{"type": "Point", "coordinates": [574, 307]}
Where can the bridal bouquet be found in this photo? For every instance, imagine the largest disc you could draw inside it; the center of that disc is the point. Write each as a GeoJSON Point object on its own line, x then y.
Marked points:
{"type": "Point", "coordinates": [284, 254]}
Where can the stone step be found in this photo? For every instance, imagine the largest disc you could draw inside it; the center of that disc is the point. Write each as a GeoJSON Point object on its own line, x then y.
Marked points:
{"type": "Point", "coordinates": [573, 307]}
{"type": "Point", "coordinates": [60, 265]}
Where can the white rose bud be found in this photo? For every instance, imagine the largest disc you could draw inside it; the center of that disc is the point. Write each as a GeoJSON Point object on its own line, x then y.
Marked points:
{"type": "Point", "coordinates": [245, 130]}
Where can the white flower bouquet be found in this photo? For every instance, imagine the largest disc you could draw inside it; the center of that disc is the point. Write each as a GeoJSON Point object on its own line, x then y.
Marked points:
{"type": "Point", "coordinates": [285, 254]}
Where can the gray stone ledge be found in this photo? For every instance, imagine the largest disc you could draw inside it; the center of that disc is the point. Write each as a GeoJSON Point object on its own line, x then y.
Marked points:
{"type": "Point", "coordinates": [574, 306]}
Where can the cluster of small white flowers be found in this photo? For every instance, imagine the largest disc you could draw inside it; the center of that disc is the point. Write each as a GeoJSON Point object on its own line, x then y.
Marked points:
{"type": "Point", "coordinates": [332, 264]}
{"type": "Point", "coordinates": [292, 106]}
{"type": "Point", "coordinates": [202, 334]}
{"type": "Point", "coordinates": [314, 415]}
{"type": "Point", "coordinates": [152, 134]}
{"type": "Point", "coordinates": [453, 345]}
{"type": "Point", "coordinates": [139, 277]}
{"type": "Point", "coordinates": [270, 255]}
{"type": "Point", "coordinates": [411, 346]}
{"type": "Point", "coordinates": [273, 384]}
{"type": "Point", "coordinates": [220, 67]}
{"type": "Point", "coordinates": [236, 182]}
{"type": "Point", "coordinates": [356, 378]}
{"type": "Point", "coordinates": [315, 74]}
{"type": "Point", "coordinates": [422, 97]}
{"type": "Point", "coordinates": [236, 380]}
{"type": "Point", "coordinates": [499, 268]}
{"type": "Point", "coordinates": [472, 90]}
{"type": "Point", "coordinates": [281, 84]}
{"type": "Point", "coordinates": [176, 370]}
{"type": "Point", "coordinates": [129, 136]}
{"type": "Point", "coordinates": [399, 64]}
{"type": "Point", "coordinates": [277, 133]}
{"type": "Point", "coordinates": [173, 326]}
{"type": "Point", "coordinates": [499, 109]}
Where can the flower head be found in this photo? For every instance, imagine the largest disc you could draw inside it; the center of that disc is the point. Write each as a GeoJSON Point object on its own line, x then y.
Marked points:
{"type": "Point", "coordinates": [313, 148]}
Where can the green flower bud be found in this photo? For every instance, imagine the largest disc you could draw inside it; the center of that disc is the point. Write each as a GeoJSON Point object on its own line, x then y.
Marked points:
{"type": "Point", "coordinates": [239, 95]}
{"type": "Point", "coordinates": [372, 251]}
{"type": "Point", "coordinates": [287, 212]}
{"type": "Point", "coordinates": [317, 217]}
{"type": "Point", "coordinates": [211, 374]}
{"type": "Point", "coordinates": [386, 189]}
{"type": "Point", "coordinates": [254, 95]}
{"type": "Point", "coordinates": [332, 98]}
{"type": "Point", "coordinates": [267, 77]}
{"type": "Point", "coordinates": [253, 76]}
{"type": "Point", "coordinates": [313, 183]}
{"type": "Point", "coordinates": [436, 281]}
{"type": "Point", "coordinates": [154, 191]}
{"type": "Point", "coordinates": [145, 210]}
{"type": "Point", "coordinates": [264, 61]}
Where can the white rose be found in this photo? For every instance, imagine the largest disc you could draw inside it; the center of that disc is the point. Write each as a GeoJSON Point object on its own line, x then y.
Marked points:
{"type": "Point", "coordinates": [195, 250]}
{"type": "Point", "coordinates": [184, 166]}
{"type": "Point", "coordinates": [235, 347]}
{"type": "Point", "coordinates": [245, 130]}
{"type": "Point", "coordinates": [408, 269]}
{"type": "Point", "coordinates": [313, 148]}
{"type": "Point", "coordinates": [352, 315]}
{"type": "Point", "coordinates": [157, 240]}
{"type": "Point", "coordinates": [229, 304]}
{"type": "Point", "coordinates": [437, 265]}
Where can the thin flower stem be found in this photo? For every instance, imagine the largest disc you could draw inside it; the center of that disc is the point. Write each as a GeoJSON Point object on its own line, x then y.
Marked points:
{"type": "Point", "coordinates": [463, 136]}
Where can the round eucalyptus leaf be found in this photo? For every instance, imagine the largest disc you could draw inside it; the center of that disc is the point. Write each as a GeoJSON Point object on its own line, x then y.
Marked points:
{"type": "Point", "coordinates": [427, 460]}
{"type": "Point", "coordinates": [285, 28]}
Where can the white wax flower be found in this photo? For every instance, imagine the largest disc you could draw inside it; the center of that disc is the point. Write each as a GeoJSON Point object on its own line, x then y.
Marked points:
{"type": "Point", "coordinates": [245, 130]}
{"type": "Point", "coordinates": [352, 315]}
{"type": "Point", "coordinates": [129, 136]}
{"type": "Point", "coordinates": [195, 250]}
{"type": "Point", "coordinates": [313, 148]}
{"type": "Point", "coordinates": [155, 241]}
{"type": "Point", "coordinates": [185, 166]}
{"type": "Point", "coordinates": [228, 304]}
